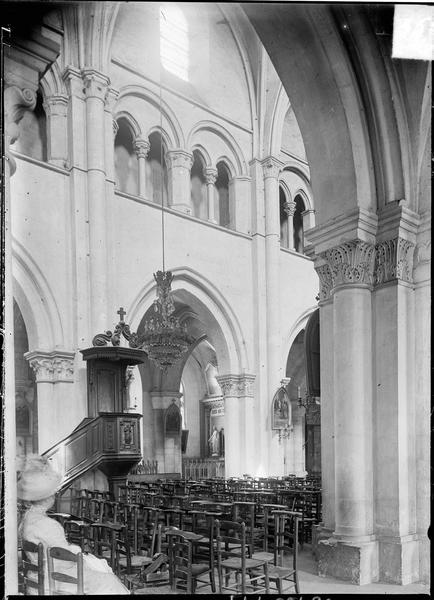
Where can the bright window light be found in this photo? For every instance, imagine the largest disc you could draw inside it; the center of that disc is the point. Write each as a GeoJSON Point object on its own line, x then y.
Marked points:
{"type": "Point", "coordinates": [174, 40]}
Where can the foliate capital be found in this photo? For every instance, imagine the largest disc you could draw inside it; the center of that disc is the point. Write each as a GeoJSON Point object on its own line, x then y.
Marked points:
{"type": "Point", "coordinates": [394, 260]}
{"type": "Point", "coordinates": [271, 167]}
{"type": "Point", "coordinates": [289, 208]}
{"type": "Point", "coordinates": [210, 175]}
{"type": "Point", "coordinates": [236, 386]}
{"type": "Point", "coordinates": [96, 85]}
{"type": "Point", "coordinates": [179, 159]}
{"type": "Point", "coordinates": [349, 263]}
{"type": "Point", "coordinates": [141, 147]}
{"type": "Point", "coordinates": [52, 367]}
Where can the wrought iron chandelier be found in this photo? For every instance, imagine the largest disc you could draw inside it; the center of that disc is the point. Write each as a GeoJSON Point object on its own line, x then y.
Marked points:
{"type": "Point", "coordinates": [164, 338]}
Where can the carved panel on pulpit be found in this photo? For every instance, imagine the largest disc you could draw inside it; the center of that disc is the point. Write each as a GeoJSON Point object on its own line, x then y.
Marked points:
{"type": "Point", "coordinates": [128, 435]}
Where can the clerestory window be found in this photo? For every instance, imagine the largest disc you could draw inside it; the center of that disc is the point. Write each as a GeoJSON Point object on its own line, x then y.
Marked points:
{"type": "Point", "coordinates": [174, 40]}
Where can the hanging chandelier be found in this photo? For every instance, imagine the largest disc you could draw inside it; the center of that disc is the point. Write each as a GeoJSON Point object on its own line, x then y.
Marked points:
{"type": "Point", "coordinates": [164, 338]}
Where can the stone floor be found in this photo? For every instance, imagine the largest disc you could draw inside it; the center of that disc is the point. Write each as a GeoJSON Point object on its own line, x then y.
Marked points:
{"type": "Point", "coordinates": [311, 583]}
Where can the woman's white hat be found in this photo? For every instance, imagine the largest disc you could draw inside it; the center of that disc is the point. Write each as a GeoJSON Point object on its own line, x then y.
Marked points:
{"type": "Point", "coordinates": [37, 479]}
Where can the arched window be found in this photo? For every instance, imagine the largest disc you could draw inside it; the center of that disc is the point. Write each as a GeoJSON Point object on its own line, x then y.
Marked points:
{"type": "Point", "coordinates": [32, 140]}
{"type": "Point", "coordinates": [298, 224]}
{"type": "Point", "coordinates": [126, 166]}
{"type": "Point", "coordinates": [222, 187]}
{"type": "Point", "coordinates": [284, 224]}
{"type": "Point", "coordinates": [156, 170]}
{"type": "Point", "coordinates": [174, 40]}
{"type": "Point", "coordinates": [198, 186]}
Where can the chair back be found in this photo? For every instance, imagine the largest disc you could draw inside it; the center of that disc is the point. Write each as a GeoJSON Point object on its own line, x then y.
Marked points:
{"type": "Point", "coordinates": [56, 575]}
{"type": "Point", "coordinates": [231, 541]}
{"type": "Point", "coordinates": [122, 550]}
{"type": "Point", "coordinates": [180, 561]}
{"type": "Point", "coordinates": [35, 582]}
{"type": "Point", "coordinates": [286, 536]}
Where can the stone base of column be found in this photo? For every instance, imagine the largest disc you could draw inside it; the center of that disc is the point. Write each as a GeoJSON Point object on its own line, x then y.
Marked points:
{"type": "Point", "coordinates": [319, 532]}
{"type": "Point", "coordinates": [185, 208]}
{"type": "Point", "coordinates": [356, 562]}
{"type": "Point", "coordinates": [399, 559]}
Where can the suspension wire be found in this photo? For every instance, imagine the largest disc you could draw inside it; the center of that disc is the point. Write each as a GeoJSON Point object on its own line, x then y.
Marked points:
{"type": "Point", "coordinates": [161, 150]}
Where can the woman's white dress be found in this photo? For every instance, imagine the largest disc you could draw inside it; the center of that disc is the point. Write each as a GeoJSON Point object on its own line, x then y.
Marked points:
{"type": "Point", "coordinates": [37, 527]}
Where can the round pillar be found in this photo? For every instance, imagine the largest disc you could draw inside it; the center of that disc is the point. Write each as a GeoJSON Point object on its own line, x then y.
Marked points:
{"type": "Point", "coordinates": [142, 148]}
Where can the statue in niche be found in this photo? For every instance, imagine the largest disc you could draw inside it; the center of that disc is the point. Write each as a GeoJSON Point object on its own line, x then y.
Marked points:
{"type": "Point", "coordinates": [214, 442]}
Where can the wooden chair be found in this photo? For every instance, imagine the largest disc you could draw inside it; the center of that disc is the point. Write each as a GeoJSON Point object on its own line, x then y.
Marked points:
{"type": "Point", "coordinates": [104, 540]}
{"type": "Point", "coordinates": [286, 526]}
{"type": "Point", "coordinates": [184, 573]}
{"type": "Point", "coordinates": [233, 556]}
{"type": "Point", "coordinates": [35, 582]}
{"type": "Point", "coordinates": [55, 575]}
{"type": "Point", "coordinates": [128, 565]}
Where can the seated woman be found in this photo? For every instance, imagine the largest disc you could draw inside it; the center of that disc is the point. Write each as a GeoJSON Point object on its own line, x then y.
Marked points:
{"type": "Point", "coordinates": [37, 484]}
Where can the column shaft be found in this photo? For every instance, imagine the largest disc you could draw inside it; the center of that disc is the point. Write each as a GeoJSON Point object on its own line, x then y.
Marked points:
{"type": "Point", "coordinates": [96, 88]}
{"type": "Point", "coordinates": [353, 412]}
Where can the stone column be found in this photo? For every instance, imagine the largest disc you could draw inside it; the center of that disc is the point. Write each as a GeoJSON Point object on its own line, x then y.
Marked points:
{"type": "Point", "coordinates": [271, 168]}
{"type": "Point", "coordinates": [16, 101]}
{"type": "Point", "coordinates": [167, 453]}
{"type": "Point", "coordinates": [95, 91]}
{"type": "Point", "coordinates": [56, 108]}
{"type": "Point", "coordinates": [80, 252]}
{"type": "Point", "coordinates": [422, 390]}
{"type": "Point", "coordinates": [327, 399]}
{"type": "Point", "coordinates": [395, 405]}
{"type": "Point", "coordinates": [240, 203]}
{"type": "Point", "coordinates": [53, 370]}
{"type": "Point", "coordinates": [352, 553]}
{"type": "Point", "coordinates": [211, 178]}
{"type": "Point", "coordinates": [142, 148]}
{"type": "Point", "coordinates": [179, 163]}
{"type": "Point", "coordinates": [240, 453]}
{"type": "Point", "coordinates": [262, 405]}
{"type": "Point", "coordinates": [289, 209]}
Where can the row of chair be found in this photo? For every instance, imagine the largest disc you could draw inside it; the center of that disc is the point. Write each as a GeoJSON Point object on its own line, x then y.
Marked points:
{"type": "Point", "coordinates": [189, 557]}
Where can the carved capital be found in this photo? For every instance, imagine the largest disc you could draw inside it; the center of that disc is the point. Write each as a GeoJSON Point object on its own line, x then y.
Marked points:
{"type": "Point", "coordinates": [394, 260]}
{"type": "Point", "coordinates": [216, 406]}
{"type": "Point", "coordinates": [56, 106]}
{"type": "Point", "coordinates": [289, 208]}
{"type": "Point", "coordinates": [111, 98]}
{"type": "Point", "coordinates": [271, 167]}
{"type": "Point", "coordinates": [236, 386]}
{"type": "Point", "coordinates": [52, 367]}
{"type": "Point", "coordinates": [141, 147]}
{"type": "Point", "coordinates": [16, 102]}
{"type": "Point", "coordinates": [96, 85]}
{"type": "Point", "coordinates": [351, 263]}
{"type": "Point", "coordinates": [179, 159]}
{"type": "Point", "coordinates": [325, 281]}
{"type": "Point", "coordinates": [210, 175]}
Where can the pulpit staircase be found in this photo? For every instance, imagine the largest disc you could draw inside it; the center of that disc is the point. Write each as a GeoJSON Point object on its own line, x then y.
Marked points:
{"type": "Point", "coordinates": [108, 439]}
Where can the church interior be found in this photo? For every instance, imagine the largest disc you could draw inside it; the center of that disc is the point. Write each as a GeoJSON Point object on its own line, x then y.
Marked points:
{"type": "Point", "coordinates": [223, 315]}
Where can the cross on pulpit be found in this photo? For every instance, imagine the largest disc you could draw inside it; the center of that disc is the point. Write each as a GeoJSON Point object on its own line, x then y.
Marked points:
{"type": "Point", "coordinates": [121, 312]}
